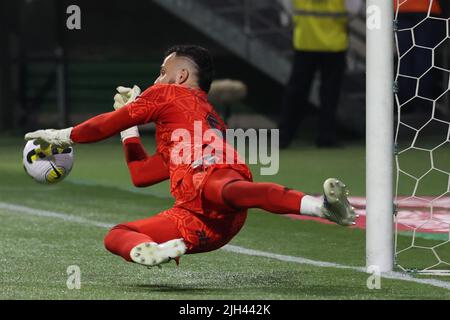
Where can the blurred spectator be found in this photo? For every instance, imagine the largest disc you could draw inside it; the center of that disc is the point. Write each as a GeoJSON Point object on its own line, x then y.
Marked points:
{"type": "Point", "coordinates": [412, 47]}
{"type": "Point", "coordinates": [320, 43]}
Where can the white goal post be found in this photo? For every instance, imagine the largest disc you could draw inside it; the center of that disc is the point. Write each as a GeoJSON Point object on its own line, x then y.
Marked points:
{"type": "Point", "coordinates": [418, 198]}
{"type": "Point", "coordinates": [379, 135]}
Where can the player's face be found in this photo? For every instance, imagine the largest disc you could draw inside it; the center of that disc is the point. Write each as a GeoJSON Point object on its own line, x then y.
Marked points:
{"type": "Point", "coordinates": [169, 71]}
{"type": "Point", "coordinates": [173, 70]}
{"type": "Point", "coordinates": [166, 73]}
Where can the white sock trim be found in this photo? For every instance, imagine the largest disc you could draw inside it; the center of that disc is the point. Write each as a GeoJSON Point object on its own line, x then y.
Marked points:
{"type": "Point", "coordinates": [310, 206]}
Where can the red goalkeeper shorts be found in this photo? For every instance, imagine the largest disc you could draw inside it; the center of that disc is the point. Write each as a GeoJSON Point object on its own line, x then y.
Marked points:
{"type": "Point", "coordinates": [204, 226]}
{"type": "Point", "coordinates": [200, 233]}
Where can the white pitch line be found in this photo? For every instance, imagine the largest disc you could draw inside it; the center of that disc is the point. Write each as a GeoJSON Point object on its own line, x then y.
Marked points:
{"type": "Point", "coordinates": [388, 275]}
{"type": "Point", "coordinates": [230, 248]}
{"type": "Point", "coordinates": [51, 214]}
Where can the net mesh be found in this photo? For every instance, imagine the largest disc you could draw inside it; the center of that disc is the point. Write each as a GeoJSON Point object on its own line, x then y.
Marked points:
{"type": "Point", "coordinates": [422, 139]}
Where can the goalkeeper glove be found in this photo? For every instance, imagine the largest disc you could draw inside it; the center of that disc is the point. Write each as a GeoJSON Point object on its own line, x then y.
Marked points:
{"type": "Point", "coordinates": [124, 96]}
{"type": "Point", "coordinates": [57, 138]}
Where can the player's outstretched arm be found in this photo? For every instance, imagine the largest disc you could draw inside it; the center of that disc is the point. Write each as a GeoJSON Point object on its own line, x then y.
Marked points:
{"type": "Point", "coordinates": [95, 129]}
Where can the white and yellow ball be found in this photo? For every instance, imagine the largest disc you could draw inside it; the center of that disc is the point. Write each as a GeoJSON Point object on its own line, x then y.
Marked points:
{"type": "Point", "coordinates": [47, 165]}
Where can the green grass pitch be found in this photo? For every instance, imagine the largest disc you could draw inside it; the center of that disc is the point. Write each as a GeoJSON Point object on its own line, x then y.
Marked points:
{"type": "Point", "coordinates": [36, 249]}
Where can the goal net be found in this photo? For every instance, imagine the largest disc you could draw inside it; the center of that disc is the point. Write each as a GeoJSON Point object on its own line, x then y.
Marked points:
{"type": "Point", "coordinates": [422, 138]}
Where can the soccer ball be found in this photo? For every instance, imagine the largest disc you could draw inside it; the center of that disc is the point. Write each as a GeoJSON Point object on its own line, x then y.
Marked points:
{"type": "Point", "coordinates": [48, 165]}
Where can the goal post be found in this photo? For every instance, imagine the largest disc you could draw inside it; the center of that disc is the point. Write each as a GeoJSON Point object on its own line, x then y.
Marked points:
{"type": "Point", "coordinates": [379, 135]}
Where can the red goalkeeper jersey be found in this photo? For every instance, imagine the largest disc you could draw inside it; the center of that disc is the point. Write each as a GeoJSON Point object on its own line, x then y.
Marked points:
{"type": "Point", "coordinates": [170, 107]}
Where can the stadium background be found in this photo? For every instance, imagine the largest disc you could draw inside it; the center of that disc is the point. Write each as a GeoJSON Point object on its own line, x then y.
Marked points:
{"type": "Point", "coordinates": [124, 44]}
{"type": "Point", "coordinates": [121, 43]}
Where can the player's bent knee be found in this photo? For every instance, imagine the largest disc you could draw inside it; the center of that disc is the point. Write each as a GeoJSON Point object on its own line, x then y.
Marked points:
{"type": "Point", "coordinates": [110, 240]}
{"type": "Point", "coordinates": [139, 183]}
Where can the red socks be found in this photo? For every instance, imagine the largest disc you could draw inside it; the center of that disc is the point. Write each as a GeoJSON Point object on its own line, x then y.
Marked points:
{"type": "Point", "coordinates": [124, 237]}
{"type": "Point", "coordinates": [267, 196]}
{"type": "Point", "coordinates": [224, 188]}
{"type": "Point", "coordinates": [121, 239]}
{"type": "Point", "coordinates": [227, 187]}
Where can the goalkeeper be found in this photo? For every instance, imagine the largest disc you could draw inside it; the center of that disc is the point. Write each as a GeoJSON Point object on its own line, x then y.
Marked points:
{"type": "Point", "coordinates": [211, 198]}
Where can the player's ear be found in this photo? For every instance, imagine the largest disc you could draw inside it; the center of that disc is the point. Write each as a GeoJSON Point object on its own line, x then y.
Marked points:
{"type": "Point", "coordinates": [183, 76]}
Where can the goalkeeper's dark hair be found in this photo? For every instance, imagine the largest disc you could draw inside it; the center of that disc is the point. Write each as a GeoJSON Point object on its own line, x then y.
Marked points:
{"type": "Point", "coordinates": [202, 59]}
